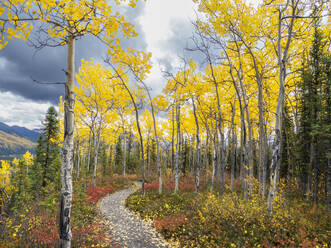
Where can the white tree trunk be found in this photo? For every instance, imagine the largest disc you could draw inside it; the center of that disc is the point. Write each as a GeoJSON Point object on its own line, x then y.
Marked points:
{"type": "Point", "coordinates": [67, 151]}
{"type": "Point", "coordinates": [89, 152]}
{"type": "Point", "coordinates": [96, 151]}
{"type": "Point", "coordinates": [233, 157]}
{"type": "Point", "coordinates": [148, 156]}
{"type": "Point", "coordinates": [214, 164]}
{"type": "Point", "coordinates": [277, 144]}
{"type": "Point", "coordinates": [124, 151]}
{"type": "Point", "coordinates": [198, 165]}
{"type": "Point", "coordinates": [177, 147]}
{"type": "Point", "coordinates": [173, 143]}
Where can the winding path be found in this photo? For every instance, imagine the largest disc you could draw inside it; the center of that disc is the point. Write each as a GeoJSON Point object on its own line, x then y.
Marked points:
{"type": "Point", "coordinates": [127, 228]}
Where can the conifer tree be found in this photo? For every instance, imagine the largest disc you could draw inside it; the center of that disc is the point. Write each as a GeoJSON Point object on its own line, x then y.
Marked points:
{"type": "Point", "coordinates": [36, 174]}
{"type": "Point", "coordinates": [286, 169]}
{"type": "Point", "coordinates": [21, 181]}
{"type": "Point", "coordinates": [52, 149]}
{"type": "Point", "coordinates": [118, 152]}
{"type": "Point", "coordinates": [313, 130]}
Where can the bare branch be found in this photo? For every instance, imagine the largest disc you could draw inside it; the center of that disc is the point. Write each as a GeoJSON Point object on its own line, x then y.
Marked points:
{"type": "Point", "coordinates": [46, 83]}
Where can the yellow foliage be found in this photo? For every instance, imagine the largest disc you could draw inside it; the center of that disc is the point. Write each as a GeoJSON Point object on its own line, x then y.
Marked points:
{"type": "Point", "coordinates": [63, 18]}
{"type": "Point", "coordinates": [27, 158]}
{"type": "Point", "coordinates": [5, 171]}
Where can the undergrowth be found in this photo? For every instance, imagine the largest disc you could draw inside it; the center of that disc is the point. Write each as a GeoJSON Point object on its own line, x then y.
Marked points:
{"type": "Point", "coordinates": [207, 220]}
{"type": "Point", "coordinates": [37, 224]}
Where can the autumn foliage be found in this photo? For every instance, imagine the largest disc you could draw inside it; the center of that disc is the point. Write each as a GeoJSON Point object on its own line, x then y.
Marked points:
{"type": "Point", "coordinates": [206, 220]}
{"type": "Point", "coordinates": [245, 131]}
{"type": "Point", "coordinates": [37, 226]}
{"type": "Point", "coordinates": [185, 185]}
{"type": "Point", "coordinates": [170, 223]}
{"type": "Point", "coordinates": [95, 193]}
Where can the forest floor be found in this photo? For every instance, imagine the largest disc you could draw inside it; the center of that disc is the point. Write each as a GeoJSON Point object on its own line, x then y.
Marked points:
{"type": "Point", "coordinates": [127, 228]}
{"type": "Point", "coordinates": [207, 220]}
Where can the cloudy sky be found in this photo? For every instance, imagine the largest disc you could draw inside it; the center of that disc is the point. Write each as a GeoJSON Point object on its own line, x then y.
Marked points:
{"type": "Point", "coordinates": [164, 29]}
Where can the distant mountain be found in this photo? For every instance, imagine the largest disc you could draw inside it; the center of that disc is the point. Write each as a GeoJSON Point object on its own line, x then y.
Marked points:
{"type": "Point", "coordinates": [15, 140]}
{"type": "Point", "coordinates": [38, 130]}
{"type": "Point", "coordinates": [22, 132]}
{"type": "Point", "coordinates": [12, 144]}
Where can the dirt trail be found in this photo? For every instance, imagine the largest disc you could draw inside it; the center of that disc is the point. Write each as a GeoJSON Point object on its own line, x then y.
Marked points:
{"type": "Point", "coordinates": [128, 229]}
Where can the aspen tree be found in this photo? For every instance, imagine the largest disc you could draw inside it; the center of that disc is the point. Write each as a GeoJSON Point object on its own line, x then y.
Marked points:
{"type": "Point", "coordinates": [62, 22]}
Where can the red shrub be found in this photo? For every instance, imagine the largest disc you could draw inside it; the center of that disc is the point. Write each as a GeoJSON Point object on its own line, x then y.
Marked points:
{"type": "Point", "coordinates": [90, 233]}
{"type": "Point", "coordinates": [184, 185]}
{"type": "Point", "coordinates": [95, 193]}
{"type": "Point", "coordinates": [40, 229]}
{"type": "Point", "coordinates": [152, 186]}
{"type": "Point", "coordinates": [170, 223]}
{"type": "Point", "coordinates": [170, 186]}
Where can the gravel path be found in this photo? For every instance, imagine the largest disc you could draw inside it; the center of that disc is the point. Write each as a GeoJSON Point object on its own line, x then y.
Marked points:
{"type": "Point", "coordinates": [127, 228]}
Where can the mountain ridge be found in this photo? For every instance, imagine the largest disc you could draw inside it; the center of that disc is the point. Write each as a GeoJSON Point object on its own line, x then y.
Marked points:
{"type": "Point", "coordinates": [22, 132]}
{"type": "Point", "coordinates": [16, 140]}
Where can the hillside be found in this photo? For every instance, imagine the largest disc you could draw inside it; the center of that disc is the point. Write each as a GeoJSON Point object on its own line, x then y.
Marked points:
{"type": "Point", "coordinates": [16, 140]}
{"type": "Point", "coordinates": [22, 132]}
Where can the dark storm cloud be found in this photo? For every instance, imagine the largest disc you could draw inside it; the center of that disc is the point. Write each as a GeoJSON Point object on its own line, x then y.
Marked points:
{"type": "Point", "coordinates": [181, 43]}
{"type": "Point", "coordinates": [19, 62]}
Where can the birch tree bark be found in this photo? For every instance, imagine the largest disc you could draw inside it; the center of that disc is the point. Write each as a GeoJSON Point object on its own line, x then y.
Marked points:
{"type": "Point", "coordinates": [77, 159]}
{"type": "Point", "coordinates": [89, 151]}
{"type": "Point", "coordinates": [126, 87]}
{"type": "Point", "coordinates": [240, 72]}
{"type": "Point", "coordinates": [282, 55]}
{"type": "Point", "coordinates": [198, 165]}
{"type": "Point", "coordinates": [233, 157]}
{"type": "Point", "coordinates": [173, 142]}
{"type": "Point", "coordinates": [178, 145]}
{"type": "Point", "coordinates": [158, 159]}
{"type": "Point", "coordinates": [203, 47]}
{"type": "Point", "coordinates": [67, 151]}
{"type": "Point", "coordinates": [142, 152]}
{"type": "Point", "coordinates": [214, 164]}
{"type": "Point", "coordinates": [215, 149]}
{"type": "Point", "coordinates": [148, 155]}
{"type": "Point", "coordinates": [263, 145]}
{"type": "Point", "coordinates": [262, 133]}
{"type": "Point", "coordinates": [95, 155]}
{"type": "Point", "coordinates": [124, 151]}
{"type": "Point", "coordinates": [206, 160]}
{"type": "Point", "coordinates": [243, 152]}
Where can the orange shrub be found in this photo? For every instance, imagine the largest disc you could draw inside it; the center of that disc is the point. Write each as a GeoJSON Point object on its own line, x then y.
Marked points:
{"type": "Point", "coordinates": [95, 193]}
{"type": "Point", "coordinates": [170, 223]}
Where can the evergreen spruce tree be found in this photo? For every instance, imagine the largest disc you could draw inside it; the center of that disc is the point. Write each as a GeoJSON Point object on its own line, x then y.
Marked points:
{"type": "Point", "coordinates": [286, 167]}
{"type": "Point", "coordinates": [118, 152]}
{"type": "Point", "coordinates": [326, 125]}
{"type": "Point", "coordinates": [46, 168]}
{"type": "Point", "coordinates": [50, 132]}
{"type": "Point", "coordinates": [136, 158]}
{"type": "Point", "coordinates": [21, 180]}
{"type": "Point", "coordinates": [185, 156]}
{"type": "Point", "coordinates": [314, 131]}
{"type": "Point", "coordinates": [36, 171]}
